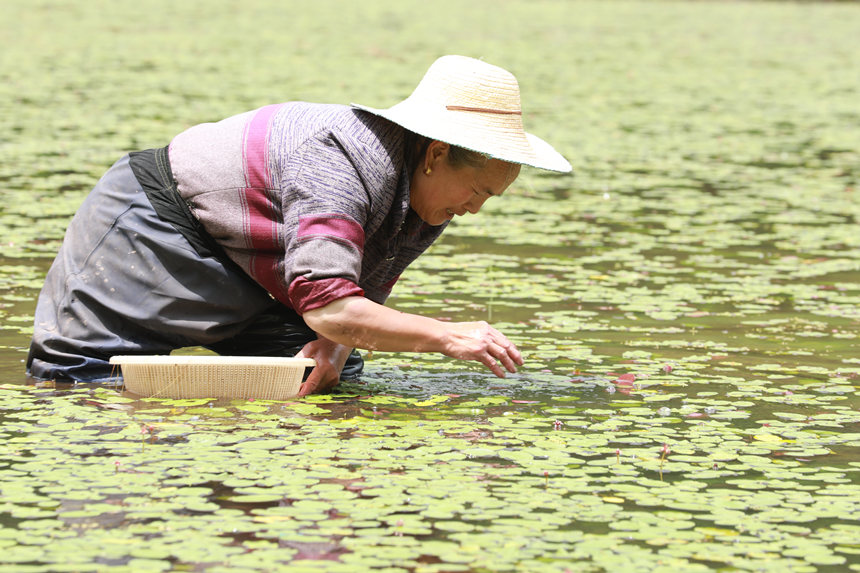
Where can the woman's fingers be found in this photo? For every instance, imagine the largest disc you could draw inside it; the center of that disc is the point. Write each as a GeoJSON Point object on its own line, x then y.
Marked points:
{"type": "Point", "coordinates": [326, 374]}
{"type": "Point", "coordinates": [310, 385]}
{"type": "Point", "coordinates": [506, 358]}
{"type": "Point", "coordinates": [491, 363]}
{"type": "Point", "coordinates": [317, 381]}
{"type": "Point", "coordinates": [496, 351]}
{"type": "Point", "coordinates": [507, 355]}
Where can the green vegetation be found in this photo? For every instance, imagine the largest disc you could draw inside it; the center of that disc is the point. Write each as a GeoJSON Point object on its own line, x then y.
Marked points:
{"type": "Point", "coordinates": [688, 302]}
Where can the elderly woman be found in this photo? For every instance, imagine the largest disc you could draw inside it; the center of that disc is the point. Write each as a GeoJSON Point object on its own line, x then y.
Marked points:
{"type": "Point", "coordinates": [281, 231]}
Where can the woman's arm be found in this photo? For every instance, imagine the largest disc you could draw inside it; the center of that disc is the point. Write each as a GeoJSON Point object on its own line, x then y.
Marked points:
{"type": "Point", "coordinates": [361, 323]}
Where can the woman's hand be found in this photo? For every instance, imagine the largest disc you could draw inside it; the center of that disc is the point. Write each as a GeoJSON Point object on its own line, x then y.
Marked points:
{"type": "Point", "coordinates": [360, 323]}
{"type": "Point", "coordinates": [330, 358]}
{"type": "Point", "coordinates": [481, 342]}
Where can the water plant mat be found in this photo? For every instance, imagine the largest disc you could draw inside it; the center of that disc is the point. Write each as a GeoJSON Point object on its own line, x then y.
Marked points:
{"type": "Point", "coordinates": [694, 284]}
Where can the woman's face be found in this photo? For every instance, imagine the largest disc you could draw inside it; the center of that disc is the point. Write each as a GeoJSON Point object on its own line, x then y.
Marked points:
{"type": "Point", "coordinates": [446, 191]}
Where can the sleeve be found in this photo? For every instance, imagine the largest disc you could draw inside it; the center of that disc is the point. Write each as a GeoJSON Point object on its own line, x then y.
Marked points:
{"type": "Point", "coordinates": [328, 205]}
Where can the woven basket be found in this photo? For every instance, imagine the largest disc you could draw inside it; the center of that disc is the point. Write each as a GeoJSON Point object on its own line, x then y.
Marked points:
{"type": "Point", "coordinates": [243, 377]}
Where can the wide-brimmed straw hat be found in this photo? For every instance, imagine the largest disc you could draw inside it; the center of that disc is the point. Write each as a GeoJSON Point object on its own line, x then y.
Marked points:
{"type": "Point", "coordinates": [472, 104]}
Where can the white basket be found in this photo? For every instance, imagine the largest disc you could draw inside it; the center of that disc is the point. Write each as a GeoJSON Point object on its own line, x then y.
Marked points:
{"type": "Point", "coordinates": [243, 377]}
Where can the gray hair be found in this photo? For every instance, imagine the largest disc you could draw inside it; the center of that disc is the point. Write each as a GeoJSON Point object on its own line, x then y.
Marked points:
{"type": "Point", "coordinates": [416, 145]}
{"type": "Point", "coordinates": [462, 157]}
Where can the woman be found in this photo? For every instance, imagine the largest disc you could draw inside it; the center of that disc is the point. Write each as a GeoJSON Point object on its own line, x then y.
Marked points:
{"type": "Point", "coordinates": [281, 231]}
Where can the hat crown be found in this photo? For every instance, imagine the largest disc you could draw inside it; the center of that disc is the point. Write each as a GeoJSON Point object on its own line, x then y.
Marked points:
{"type": "Point", "coordinates": [475, 105]}
{"type": "Point", "coordinates": [468, 84]}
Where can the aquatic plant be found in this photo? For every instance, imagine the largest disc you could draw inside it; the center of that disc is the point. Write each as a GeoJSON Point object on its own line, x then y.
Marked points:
{"type": "Point", "coordinates": [694, 284]}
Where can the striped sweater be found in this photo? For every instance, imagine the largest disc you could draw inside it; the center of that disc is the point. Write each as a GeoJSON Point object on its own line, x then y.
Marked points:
{"type": "Point", "coordinates": [311, 200]}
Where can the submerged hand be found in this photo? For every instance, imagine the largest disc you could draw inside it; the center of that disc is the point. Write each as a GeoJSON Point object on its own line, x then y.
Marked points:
{"type": "Point", "coordinates": [481, 342]}
{"type": "Point", "coordinates": [330, 358]}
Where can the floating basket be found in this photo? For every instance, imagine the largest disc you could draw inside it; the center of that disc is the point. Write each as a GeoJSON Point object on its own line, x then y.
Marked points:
{"type": "Point", "coordinates": [243, 377]}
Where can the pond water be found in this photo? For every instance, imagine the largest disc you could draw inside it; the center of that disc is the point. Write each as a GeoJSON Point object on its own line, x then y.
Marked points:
{"type": "Point", "coordinates": [688, 302]}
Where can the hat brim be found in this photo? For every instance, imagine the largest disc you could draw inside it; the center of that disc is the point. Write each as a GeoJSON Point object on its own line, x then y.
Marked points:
{"type": "Point", "coordinates": [469, 131]}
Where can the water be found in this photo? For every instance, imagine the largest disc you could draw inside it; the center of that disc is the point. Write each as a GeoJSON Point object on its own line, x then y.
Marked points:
{"type": "Point", "coordinates": [694, 286]}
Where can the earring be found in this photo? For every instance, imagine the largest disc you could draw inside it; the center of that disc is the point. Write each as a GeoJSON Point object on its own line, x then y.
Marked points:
{"type": "Point", "coordinates": [427, 171]}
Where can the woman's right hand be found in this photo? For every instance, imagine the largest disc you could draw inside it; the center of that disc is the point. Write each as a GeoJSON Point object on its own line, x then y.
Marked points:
{"type": "Point", "coordinates": [481, 342]}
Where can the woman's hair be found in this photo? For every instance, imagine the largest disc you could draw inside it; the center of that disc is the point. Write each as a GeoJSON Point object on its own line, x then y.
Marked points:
{"type": "Point", "coordinates": [416, 146]}
{"type": "Point", "coordinates": [461, 157]}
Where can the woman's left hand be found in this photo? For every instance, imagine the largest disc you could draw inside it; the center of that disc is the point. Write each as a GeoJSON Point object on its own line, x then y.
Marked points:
{"type": "Point", "coordinates": [330, 358]}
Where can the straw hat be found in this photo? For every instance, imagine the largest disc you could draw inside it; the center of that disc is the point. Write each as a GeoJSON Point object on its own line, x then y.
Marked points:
{"type": "Point", "coordinates": [475, 105]}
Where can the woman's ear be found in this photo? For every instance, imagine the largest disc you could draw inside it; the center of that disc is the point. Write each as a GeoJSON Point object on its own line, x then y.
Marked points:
{"type": "Point", "coordinates": [435, 151]}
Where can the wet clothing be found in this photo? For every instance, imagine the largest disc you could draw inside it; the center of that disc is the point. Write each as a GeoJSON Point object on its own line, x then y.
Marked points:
{"type": "Point", "coordinates": [226, 237]}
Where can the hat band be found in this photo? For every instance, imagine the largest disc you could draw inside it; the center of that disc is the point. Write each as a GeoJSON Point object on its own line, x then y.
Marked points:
{"type": "Point", "coordinates": [483, 110]}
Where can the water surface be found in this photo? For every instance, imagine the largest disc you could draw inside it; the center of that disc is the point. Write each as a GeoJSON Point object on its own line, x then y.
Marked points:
{"type": "Point", "coordinates": [688, 301]}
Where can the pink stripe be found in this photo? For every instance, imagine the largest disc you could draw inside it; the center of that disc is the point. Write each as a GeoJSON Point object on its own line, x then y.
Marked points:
{"type": "Point", "coordinates": [307, 295]}
{"type": "Point", "coordinates": [256, 143]}
{"type": "Point", "coordinates": [264, 268]}
{"type": "Point", "coordinates": [332, 226]}
{"type": "Point", "coordinates": [265, 271]}
{"type": "Point", "coordinates": [261, 230]}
